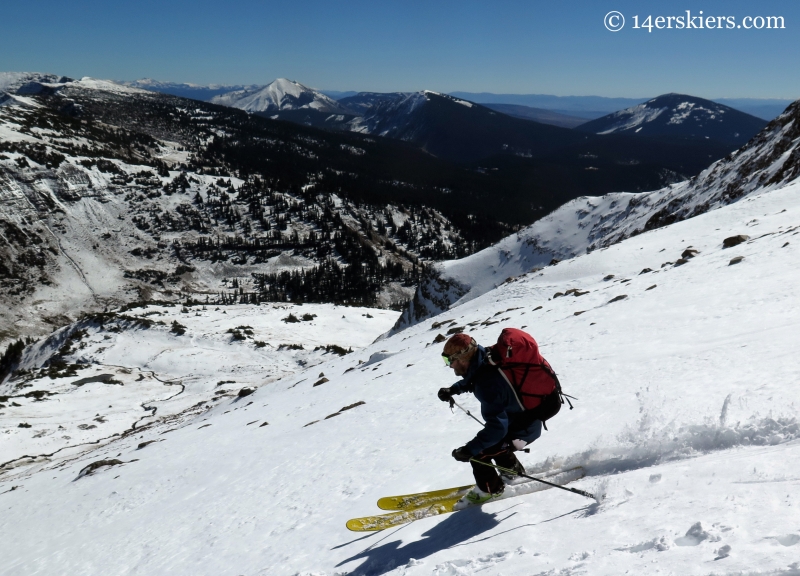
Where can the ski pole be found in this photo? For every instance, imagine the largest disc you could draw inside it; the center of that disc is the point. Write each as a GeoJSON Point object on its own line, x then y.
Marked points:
{"type": "Point", "coordinates": [515, 473]}
{"type": "Point", "coordinates": [465, 410]}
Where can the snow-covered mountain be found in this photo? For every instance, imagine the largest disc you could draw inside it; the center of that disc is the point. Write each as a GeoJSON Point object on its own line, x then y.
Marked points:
{"type": "Point", "coordinates": [12, 82]}
{"type": "Point", "coordinates": [681, 116]}
{"type": "Point", "coordinates": [685, 425]}
{"type": "Point", "coordinates": [187, 90]}
{"type": "Point", "coordinates": [452, 128]}
{"type": "Point", "coordinates": [768, 161]}
{"type": "Point", "coordinates": [280, 95]}
{"type": "Point", "coordinates": [111, 194]}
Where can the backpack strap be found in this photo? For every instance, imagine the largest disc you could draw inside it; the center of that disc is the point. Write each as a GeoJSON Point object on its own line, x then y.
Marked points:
{"type": "Point", "coordinates": [513, 390]}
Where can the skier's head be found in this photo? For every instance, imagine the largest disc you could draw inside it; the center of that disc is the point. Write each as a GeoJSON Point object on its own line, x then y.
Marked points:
{"type": "Point", "coordinates": [458, 352]}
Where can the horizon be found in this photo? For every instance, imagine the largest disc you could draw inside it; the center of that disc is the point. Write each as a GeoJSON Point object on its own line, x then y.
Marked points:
{"type": "Point", "coordinates": [517, 48]}
{"type": "Point", "coordinates": [326, 91]}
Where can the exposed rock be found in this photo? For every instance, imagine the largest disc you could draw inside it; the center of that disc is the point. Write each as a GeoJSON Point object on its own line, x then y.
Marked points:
{"type": "Point", "coordinates": [351, 406]}
{"type": "Point", "coordinates": [651, 287]}
{"type": "Point", "coordinates": [722, 552]}
{"type": "Point", "coordinates": [735, 260]}
{"type": "Point", "coordinates": [359, 403]}
{"type": "Point", "coordinates": [246, 391]}
{"type": "Point", "coordinates": [732, 241]}
{"type": "Point", "coordinates": [99, 464]}
{"type": "Point", "coordinates": [609, 277]}
{"type": "Point", "coordinates": [143, 444]}
{"type": "Point", "coordinates": [681, 261]}
{"type": "Point", "coordinates": [579, 313]}
{"type": "Point", "coordinates": [439, 338]}
{"type": "Point", "coordinates": [104, 378]}
{"type": "Point", "coordinates": [321, 381]}
{"type": "Point", "coordinates": [690, 253]}
{"type": "Point", "coordinates": [456, 330]}
{"type": "Point", "coordinates": [618, 298]}
{"type": "Point", "coordinates": [645, 271]}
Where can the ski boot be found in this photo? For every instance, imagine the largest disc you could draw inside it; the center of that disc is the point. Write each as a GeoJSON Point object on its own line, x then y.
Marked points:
{"type": "Point", "coordinates": [511, 479]}
{"type": "Point", "coordinates": [476, 496]}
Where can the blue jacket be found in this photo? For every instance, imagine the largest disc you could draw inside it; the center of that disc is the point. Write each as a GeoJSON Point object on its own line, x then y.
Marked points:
{"type": "Point", "coordinates": [499, 407]}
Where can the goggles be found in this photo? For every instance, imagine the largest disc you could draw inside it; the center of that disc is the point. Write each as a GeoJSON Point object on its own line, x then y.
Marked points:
{"type": "Point", "coordinates": [450, 358]}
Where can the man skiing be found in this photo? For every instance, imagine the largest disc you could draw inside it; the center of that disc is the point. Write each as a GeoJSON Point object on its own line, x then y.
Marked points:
{"type": "Point", "coordinates": [507, 426]}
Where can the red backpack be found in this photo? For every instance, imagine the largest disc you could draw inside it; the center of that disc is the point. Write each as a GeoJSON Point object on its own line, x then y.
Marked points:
{"type": "Point", "coordinates": [533, 381]}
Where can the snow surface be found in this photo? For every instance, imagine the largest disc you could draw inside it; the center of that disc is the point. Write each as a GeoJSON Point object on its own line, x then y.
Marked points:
{"type": "Point", "coordinates": [686, 425]}
{"type": "Point", "coordinates": [633, 117]}
{"type": "Point", "coordinates": [106, 86]}
{"type": "Point", "coordinates": [170, 372]}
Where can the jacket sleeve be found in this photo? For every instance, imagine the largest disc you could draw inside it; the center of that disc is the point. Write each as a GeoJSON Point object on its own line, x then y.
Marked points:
{"type": "Point", "coordinates": [495, 429]}
{"type": "Point", "coordinates": [459, 387]}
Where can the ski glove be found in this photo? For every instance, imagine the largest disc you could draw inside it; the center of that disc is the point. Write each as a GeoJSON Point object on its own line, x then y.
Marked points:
{"type": "Point", "coordinates": [461, 454]}
{"type": "Point", "coordinates": [446, 394]}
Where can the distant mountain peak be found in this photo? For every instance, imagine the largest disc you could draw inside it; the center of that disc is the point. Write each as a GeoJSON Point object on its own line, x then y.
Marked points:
{"type": "Point", "coordinates": [680, 115]}
{"type": "Point", "coordinates": [281, 94]}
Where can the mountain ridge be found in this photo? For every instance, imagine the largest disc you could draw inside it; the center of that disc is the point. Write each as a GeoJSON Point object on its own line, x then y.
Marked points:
{"type": "Point", "coordinates": [770, 160]}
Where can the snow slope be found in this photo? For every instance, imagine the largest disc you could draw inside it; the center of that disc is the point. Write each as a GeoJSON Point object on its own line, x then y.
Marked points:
{"type": "Point", "coordinates": [686, 424]}
{"type": "Point", "coordinates": [145, 374]}
{"type": "Point", "coordinates": [768, 161]}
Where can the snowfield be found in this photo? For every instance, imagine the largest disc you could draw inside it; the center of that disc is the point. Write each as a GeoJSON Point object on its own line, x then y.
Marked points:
{"type": "Point", "coordinates": [156, 361]}
{"type": "Point", "coordinates": [682, 354]}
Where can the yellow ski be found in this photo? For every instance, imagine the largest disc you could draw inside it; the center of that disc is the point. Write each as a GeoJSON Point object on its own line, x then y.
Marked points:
{"type": "Point", "coordinates": [423, 499]}
{"type": "Point", "coordinates": [399, 517]}
{"type": "Point", "coordinates": [433, 503]}
{"type": "Point", "coordinates": [420, 499]}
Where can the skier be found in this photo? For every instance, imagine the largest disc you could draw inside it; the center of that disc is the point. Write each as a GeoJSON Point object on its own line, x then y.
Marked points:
{"type": "Point", "coordinates": [507, 427]}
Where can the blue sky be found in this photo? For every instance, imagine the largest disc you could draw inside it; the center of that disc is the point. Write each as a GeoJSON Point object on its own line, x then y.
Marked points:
{"type": "Point", "coordinates": [522, 47]}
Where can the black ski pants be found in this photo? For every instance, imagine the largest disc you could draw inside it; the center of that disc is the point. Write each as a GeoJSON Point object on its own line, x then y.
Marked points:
{"type": "Point", "coordinates": [487, 478]}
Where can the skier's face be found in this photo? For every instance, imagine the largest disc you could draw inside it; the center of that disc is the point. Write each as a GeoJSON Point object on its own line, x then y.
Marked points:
{"type": "Point", "coordinates": [460, 362]}
{"type": "Point", "coordinates": [460, 365]}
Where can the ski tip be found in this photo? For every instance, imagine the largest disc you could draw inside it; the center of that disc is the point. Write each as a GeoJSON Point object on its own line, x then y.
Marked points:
{"type": "Point", "coordinates": [358, 525]}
